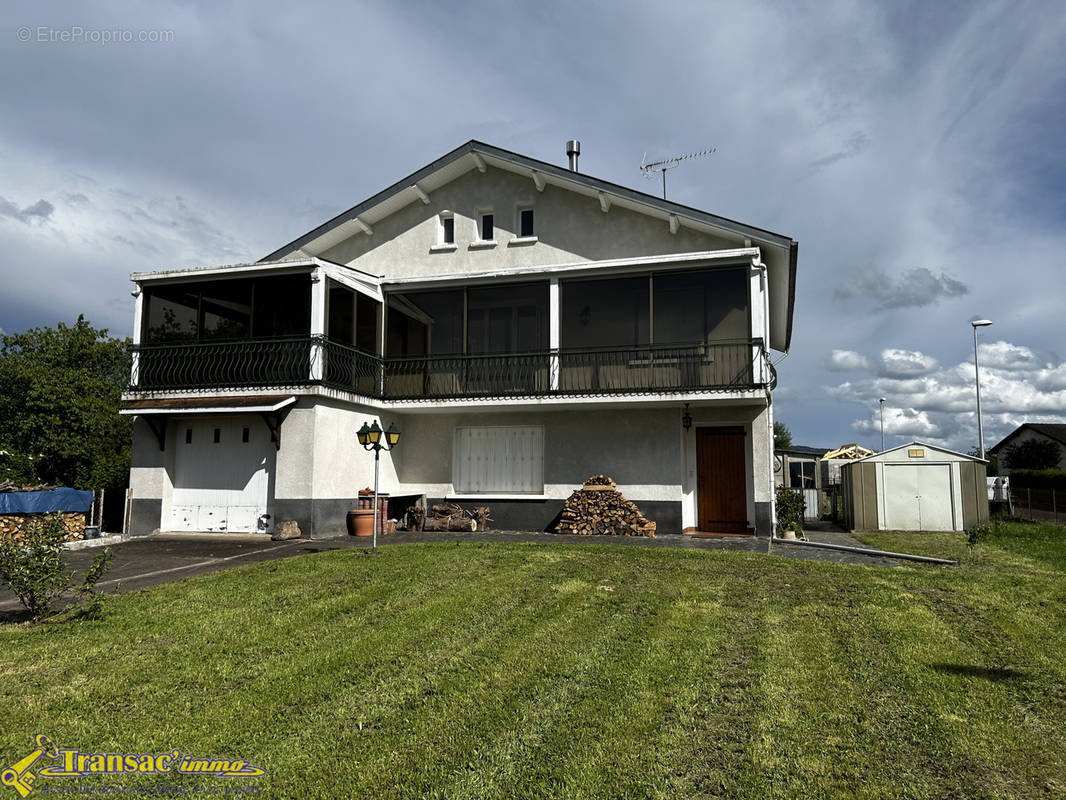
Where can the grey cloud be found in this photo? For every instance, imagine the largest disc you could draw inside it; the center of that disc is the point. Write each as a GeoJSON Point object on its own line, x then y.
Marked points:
{"type": "Point", "coordinates": [914, 288]}
{"type": "Point", "coordinates": [906, 364]}
{"type": "Point", "coordinates": [38, 212]}
{"type": "Point", "coordinates": [846, 361]}
{"type": "Point", "coordinates": [906, 422]}
{"type": "Point", "coordinates": [855, 144]}
{"type": "Point", "coordinates": [1003, 355]}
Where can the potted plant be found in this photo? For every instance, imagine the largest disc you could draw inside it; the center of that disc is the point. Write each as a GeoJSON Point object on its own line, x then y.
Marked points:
{"type": "Point", "coordinates": [790, 507]}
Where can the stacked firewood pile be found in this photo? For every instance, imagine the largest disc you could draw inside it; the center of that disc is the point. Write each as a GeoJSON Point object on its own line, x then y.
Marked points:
{"type": "Point", "coordinates": [14, 524]}
{"type": "Point", "coordinates": [448, 517]}
{"type": "Point", "coordinates": [599, 508]}
{"type": "Point", "coordinates": [11, 486]}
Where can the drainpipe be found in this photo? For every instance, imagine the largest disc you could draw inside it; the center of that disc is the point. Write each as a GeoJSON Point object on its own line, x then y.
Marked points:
{"type": "Point", "coordinates": [764, 283]}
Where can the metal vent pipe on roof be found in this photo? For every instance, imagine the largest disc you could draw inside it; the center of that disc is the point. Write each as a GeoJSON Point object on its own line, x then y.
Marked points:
{"type": "Point", "coordinates": [573, 150]}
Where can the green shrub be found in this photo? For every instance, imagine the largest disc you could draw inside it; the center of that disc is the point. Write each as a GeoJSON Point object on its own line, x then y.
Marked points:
{"type": "Point", "coordinates": [1038, 479]}
{"type": "Point", "coordinates": [979, 533]}
{"type": "Point", "coordinates": [32, 566]}
{"type": "Point", "coordinates": [790, 508]}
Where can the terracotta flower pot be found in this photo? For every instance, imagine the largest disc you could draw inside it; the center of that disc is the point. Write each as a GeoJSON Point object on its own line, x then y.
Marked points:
{"type": "Point", "coordinates": [361, 522]}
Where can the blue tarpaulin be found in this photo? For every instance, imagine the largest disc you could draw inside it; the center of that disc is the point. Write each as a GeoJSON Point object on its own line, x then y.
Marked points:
{"type": "Point", "coordinates": [45, 502]}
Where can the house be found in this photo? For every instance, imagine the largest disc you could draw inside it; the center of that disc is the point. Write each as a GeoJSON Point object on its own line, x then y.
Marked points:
{"type": "Point", "coordinates": [914, 487]}
{"type": "Point", "coordinates": [524, 325]}
{"type": "Point", "coordinates": [1046, 435]}
{"type": "Point", "coordinates": [796, 467]}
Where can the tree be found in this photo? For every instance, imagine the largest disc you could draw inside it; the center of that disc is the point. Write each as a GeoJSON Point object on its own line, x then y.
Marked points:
{"type": "Point", "coordinates": [59, 398]}
{"type": "Point", "coordinates": [782, 436]}
{"type": "Point", "coordinates": [1033, 454]}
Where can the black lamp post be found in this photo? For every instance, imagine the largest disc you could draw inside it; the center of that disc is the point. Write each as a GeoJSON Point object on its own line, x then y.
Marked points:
{"type": "Point", "coordinates": [370, 437]}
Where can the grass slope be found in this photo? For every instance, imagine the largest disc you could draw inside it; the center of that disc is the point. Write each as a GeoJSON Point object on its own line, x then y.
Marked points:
{"type": "Point", "coordinates": [446, 671]}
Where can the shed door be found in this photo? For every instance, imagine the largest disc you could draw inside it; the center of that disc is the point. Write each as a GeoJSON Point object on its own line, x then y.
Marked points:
{"type": "Point", "coordinates": [221, 481]}
{"type": "Point", "coordinates": [918, 497]}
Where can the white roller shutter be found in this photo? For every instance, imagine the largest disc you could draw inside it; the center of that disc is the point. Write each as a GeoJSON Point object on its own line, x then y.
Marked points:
{"type": "Point", "coordinates": [505, 459]}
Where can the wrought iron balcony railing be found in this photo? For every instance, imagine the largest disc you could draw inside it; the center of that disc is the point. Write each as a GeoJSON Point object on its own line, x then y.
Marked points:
{"type": "Point", "coordinates": [719, 366]}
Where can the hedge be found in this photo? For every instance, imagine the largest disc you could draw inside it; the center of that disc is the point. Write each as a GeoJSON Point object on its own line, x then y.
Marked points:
{"type": "Point", "coordinates": [1038, 479]}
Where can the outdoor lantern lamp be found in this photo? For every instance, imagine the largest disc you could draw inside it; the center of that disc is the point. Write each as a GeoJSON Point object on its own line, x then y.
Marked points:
{"type": "Point", "coordinates": [369, 437]}
{"type": "Point", "coordinates": [978, 323]}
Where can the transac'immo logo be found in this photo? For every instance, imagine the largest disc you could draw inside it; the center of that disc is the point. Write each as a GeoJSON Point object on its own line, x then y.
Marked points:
{"type": "Point", "coordinates": [75, 763]}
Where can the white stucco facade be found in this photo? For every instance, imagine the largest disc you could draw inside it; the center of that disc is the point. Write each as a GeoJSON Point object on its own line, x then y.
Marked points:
{"type": "Point", "coordinates": [646, 439]}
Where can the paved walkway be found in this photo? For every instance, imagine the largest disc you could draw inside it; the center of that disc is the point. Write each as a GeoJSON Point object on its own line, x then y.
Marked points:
{"type": "Point", "coordinates": [162, 558]}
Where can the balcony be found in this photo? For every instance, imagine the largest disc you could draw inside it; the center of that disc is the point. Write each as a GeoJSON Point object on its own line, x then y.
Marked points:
{"type": "Point", "coordinates": [294, 362]}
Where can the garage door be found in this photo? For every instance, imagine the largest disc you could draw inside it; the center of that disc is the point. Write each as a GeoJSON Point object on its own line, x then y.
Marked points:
{"type": "Point", "coordinates": [918, 497]}
{"type": "Point", "coordinates": [222, 476]}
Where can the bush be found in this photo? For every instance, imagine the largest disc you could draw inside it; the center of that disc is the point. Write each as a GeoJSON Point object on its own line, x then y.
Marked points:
{"type": "Point", "coordinates": [33, 568]}
{"type": "Point", "coordinates": [790, 508]}
{"type": "Point", "coordinates": [1038, 479]}
{"type": "Point", "coordinates": [979, 533]}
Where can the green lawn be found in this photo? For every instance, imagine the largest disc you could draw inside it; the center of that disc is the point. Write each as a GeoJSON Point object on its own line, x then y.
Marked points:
{"type": "Point", "coordinates": [482, 671]}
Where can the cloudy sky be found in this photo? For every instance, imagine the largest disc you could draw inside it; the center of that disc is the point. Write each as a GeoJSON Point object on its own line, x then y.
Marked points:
{"type": "Point", "coordinates": [915, 151]}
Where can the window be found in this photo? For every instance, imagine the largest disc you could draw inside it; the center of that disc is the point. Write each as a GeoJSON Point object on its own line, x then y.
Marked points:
{"type": "Point", "coordinates": [425, 323]}
{"type": "Point", "coordinates": [485, 228]}
{"type": "Point", "coordinates": [801, 474]}
{"type": "Point", "coordinates": [244, 435]}
{"type": "Point", "coordinates": [352, 318]}
{"type": "Point", "coordinates": [188, 436]}
{"type": "Point", "coordinates": [447, 229]}
{"type": "Point", "coordinates": [367, 323]}
{"type": "Point", "coordinates": [228, 309]}
{"type": "Point", "coordinates": [340, 313]}
{"type": "Point", "coordinates": [504, 459]}
{"type": "Point", "coordinates": [700, 306]}
{"type": "Point", "coordinates": [218, 435]}
{"type": "Point", "coordinates": [608, 312]}
{"type": "Point", "coordinates": [511, 318]}
{"type": "Point", "coordinates": [525, 223]}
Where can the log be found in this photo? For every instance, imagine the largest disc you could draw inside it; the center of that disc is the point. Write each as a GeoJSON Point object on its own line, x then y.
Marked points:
{"type": "Point", "coordinates": [457, 524]}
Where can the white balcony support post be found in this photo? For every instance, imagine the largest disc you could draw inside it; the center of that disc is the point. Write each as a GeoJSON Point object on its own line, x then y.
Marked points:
{"type": "Point", "coordinates": [138, 316]}
{"type": "Point", "coordinates": [554, 326]}
{"type": "Point", "coordinates": [318, 324]}
{"type": "Point", "coordinates": [760, 321]}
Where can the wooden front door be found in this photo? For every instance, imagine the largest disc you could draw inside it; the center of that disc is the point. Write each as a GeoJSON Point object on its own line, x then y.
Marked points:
{"type": "Point", "coordinates": [721, 495]}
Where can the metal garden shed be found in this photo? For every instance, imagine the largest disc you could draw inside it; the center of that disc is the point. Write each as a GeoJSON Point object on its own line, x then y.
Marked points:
{"type": "Point", "coordinates": [914, 487]}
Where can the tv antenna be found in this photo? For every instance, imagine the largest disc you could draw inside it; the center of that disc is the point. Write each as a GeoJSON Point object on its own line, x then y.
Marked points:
{"type": "Point", "coordinates": [668, 163]}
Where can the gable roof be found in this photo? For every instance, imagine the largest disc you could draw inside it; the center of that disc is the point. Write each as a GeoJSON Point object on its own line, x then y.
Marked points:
{"type": "Point", "coordinates": [781, 250]}
{"type": "Point", "coordinates": [802, 450]}
{"type": "Point", "coordinates": [1052, 430]}
{"type": "Point", "coordinates": [924, 446]}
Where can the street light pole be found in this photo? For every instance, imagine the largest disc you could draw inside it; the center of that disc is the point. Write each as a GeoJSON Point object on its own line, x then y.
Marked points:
{"type": "Point", "coordinates": [978, 323]}
{"type": "Point", "coordinates": [370, 437]}
{"type": "Point", "coordinates": [882, 402]}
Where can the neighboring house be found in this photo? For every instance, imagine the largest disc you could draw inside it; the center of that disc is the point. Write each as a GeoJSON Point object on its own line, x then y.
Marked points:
{"type": "Point", "coordinates": [524, 325]}
{"type": "Point", "coordinates": [1054, 433]}
{"type": "Point", "coordinates": [796, 467]}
